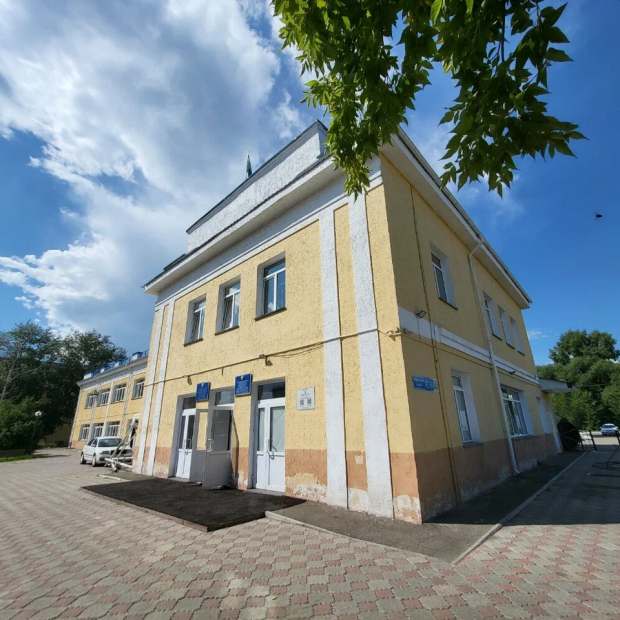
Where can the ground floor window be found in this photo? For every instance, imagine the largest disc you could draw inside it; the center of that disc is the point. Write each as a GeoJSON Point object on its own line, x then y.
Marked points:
{"type": "Point", "coordinates": [113, 428]}
{"type": "Point", "coordinates": [513, 405]}
{"type": "Point", "coordinates": [222, 420]}
{"type": "Point", "coordinates": [463, 409]}
{"type": "Point", "coordinates": [84, 432]}
{"type": "Point", "coordinates": [97, 430]}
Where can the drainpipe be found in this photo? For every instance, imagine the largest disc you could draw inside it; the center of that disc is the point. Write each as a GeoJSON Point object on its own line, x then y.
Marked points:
{"type": "Point", "coordinates": [485, 330]}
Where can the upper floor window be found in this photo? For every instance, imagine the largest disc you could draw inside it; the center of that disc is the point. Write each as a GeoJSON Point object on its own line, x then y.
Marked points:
{"type": "Point", "coordinates": [91, 400]}
{"type": "Point", "coordinates": [196, 320]}
{"type": "Point", "coordinates": [274, 287]}
{"type": "Point", "coordinates": [514, 407]}
{"type": "Point", "coordinates": [230, 306]}
{"type": "Point", "coordinates": [516, 335]}
{"type": "Point", "coordinates": [119, 393]}
{"type": "Point", "coordinates": [84, 432]}
{"type": "Point", "coordinates": [442, 277]}
{"type": "Point", "coordinates": [464, 407]}
{"type": "Point", "coordinates": [506, 326]}
{"type": "Point", "coordinates": [103, 398]}
{"type": "Point", "coordinates": [138, 388]}
{"type": "Point", "coordinates": [491, 312]}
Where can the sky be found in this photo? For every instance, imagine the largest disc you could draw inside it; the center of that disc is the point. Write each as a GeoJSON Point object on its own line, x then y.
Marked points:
{"type": "Point", "coordinates": [121, 123]}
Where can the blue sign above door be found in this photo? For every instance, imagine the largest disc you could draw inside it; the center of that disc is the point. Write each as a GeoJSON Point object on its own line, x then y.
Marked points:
{"type": "Point", "coordinates": [202, 391]}
{"type": "Point", "coordinates": [424, 383]}
{"type": "Point", "coordinates": [243, 385]}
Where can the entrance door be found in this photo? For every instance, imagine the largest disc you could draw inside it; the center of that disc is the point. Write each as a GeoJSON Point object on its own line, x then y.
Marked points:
{"type": "Point", "coordinates": [270, 444]}
{"type": "Point", "coordinates": [186, 442]}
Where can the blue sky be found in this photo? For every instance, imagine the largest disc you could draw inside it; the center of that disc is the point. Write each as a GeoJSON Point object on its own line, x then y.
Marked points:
{"type": "Point", "coordinates": [115, 136]}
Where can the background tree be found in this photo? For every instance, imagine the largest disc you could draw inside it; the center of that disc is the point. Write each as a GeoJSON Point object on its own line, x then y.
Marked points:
{"type": "Point", "coordinates": [372, 57]}
{"type": "Point", "coordinates": [588, 361]}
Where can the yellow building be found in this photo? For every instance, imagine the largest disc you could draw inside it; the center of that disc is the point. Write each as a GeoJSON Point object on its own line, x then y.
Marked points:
{"type": "Point", "coordinates": [368, 352]}
{"type": "Point", "coordinates": [110, 398]}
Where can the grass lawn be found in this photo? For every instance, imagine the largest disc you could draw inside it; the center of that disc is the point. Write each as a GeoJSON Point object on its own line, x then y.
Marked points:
{"type": "Point", "coordinates": [18, 457]}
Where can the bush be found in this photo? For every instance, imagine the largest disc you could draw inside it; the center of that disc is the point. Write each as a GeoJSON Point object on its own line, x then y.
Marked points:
{"type": "Point", "coordinates": [19, 428]}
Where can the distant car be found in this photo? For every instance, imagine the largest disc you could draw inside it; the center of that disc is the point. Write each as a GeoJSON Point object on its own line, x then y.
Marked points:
{"type": "Point", "coordinates": [609, 429]}
{"type": "Point", "coordinates": [96, 450]}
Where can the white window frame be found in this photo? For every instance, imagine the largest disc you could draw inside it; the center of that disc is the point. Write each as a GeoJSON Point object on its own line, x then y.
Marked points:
{"type": "Point", "coordinates": [138, 386]}
{"type": "Point", "coordinates": [442, 270]}
{"type": "Point", "coordinates": [471, 416]}
{"type": "Point", "coordinates": [103, 398]}
{"type": "Point", "coordinates": [490, 309]}
{"type": "Point", "coordinates": [235, 303]}
{"type": "Point", "coordinates": [91, 400]}
{"type": "Point", "coordinates": [219, 407]}
{"type": "Point", "coordinates": [261, 309]}
{"type": "Point", "coordinates": [116, 425]}
{"type": "Point", "coordinates": [119, 392]}
{"type": "Point", "coordinates": [519, 422]}
{"type": "Point", "coordinates": [84, 430]}
{"type": "Point", "coordinates": [196, 326]}
{"type": "Point", "coordinates": [97, 430]}
{"type": "Point", "coordinates": [516, 335]}
{"type": "Point", "coordinates": [504, 319]}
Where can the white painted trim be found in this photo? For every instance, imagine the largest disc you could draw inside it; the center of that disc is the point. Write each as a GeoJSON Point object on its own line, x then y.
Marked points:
{"type": "Point", "coordinates": [332, 362]}
{"type": "Point", "coordinates": [378, 471]}
{"type": "Point", "coordinates": [422, 328]}
{"type": "Point", "coordinates": [163, 364]}
{"type": "Point", "coordinates": [113, 374]}
{"type": "Point", "coordinates": [148, 391]}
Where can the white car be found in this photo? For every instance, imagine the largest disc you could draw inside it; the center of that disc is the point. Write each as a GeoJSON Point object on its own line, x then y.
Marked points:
{"type": "Point", "coordinates": [609, 429]}
{"type": "Point", "coordinates": [96, 450]}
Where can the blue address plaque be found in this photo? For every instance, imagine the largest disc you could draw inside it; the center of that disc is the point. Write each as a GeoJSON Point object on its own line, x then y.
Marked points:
{"type": "Point", "coordinates": [203, 390]}
{"type": "Point", "coordinates": [243, 385]}
{"type": "Point", "coordinates": [424, 383]}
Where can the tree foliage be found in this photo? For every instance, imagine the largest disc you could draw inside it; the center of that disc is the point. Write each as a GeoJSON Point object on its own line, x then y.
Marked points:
{"type": "Point", "coordinates": [19, 428]}
{"type": "Point", "coordinates": [588, 361]}
{"type": "Point", "coordinates": [372, 57]}
{"type": "Point", "coordinates": [39, 370]}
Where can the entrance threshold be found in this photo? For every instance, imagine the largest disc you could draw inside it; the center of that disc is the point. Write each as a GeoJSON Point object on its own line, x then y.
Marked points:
{"type": "Point", "coordinates": [266, 492]}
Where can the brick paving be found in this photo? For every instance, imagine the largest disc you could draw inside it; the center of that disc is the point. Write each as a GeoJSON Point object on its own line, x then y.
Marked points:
{"type": "Point", "coordinates": [68, 554]}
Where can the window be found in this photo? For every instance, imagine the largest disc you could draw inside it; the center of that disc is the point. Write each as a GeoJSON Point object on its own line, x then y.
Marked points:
{"type": "Point", "coordinates": [103, 398]}
{"type": "Point", "coordinates": [220, 430]}
{"type": "Point", "coordinates": [119, 393]}
{"type": "Point", "coordinates": [91, 400]}
{"type": "Point", "coordinates": [464, 407]}
{"type": "Point", "coordinates": [112, 429]}
{"type": "Point", "coordinates": [442, 277]}
{"type": "Point", "coordinates": [97, 430]}
{"type": "Point", "coordinates": [490, 311]}
{"type": "Point", "coordinates": [513, 405]}
{"type": "Point", "coordinates": [138, 388]}
{"type": "Point", "coordinates": [274, 287]}
{"type": "Point", "coordinates": [84, 432]}
{"type": "Point", "coordinates": [230, 306]}
{"type": "Point", "coordinates": [516, 335]}
{"type": "Point", "coordinates": [506, 327]}
{"type": "Point", "coordinates": [271, 390]}
{"type": "Point", "coordinates": [196, 320]}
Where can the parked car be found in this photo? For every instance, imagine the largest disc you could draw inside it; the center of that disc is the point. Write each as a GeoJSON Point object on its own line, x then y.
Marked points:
{"type": "Point", "coordinates": [96, 450]}
{"type": "Point", "coordinates": [609, 429]}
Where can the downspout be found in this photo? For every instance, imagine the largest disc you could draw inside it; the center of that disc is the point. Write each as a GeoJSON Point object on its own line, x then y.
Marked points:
{"type": "Point", "coordinates": [485, 330]}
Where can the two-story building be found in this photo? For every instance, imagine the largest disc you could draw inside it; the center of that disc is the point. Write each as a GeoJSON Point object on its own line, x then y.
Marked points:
{"type": "Point", "coordinates": [365, 351]}
{"type": "Point", "coordinates": [110, 398]}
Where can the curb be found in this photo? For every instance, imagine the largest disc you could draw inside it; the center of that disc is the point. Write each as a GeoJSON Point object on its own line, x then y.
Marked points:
{"type": "Point", "coordinates": [513, 513]}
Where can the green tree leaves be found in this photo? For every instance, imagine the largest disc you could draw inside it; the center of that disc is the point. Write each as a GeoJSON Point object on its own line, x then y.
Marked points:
{"type": "Point", "coordinates": [372, 57]}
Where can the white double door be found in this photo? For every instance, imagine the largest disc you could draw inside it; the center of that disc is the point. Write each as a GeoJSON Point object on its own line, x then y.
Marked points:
{"type": "Point", "coordinates": [270, 424]}
{"type": "Point", "coordinates": [185, 446]}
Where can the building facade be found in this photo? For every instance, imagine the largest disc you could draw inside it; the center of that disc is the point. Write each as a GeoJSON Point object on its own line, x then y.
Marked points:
{"type": "Point", "coordinates": [365, 351]}
{"type": "Point", "coordinates": [110, 398]}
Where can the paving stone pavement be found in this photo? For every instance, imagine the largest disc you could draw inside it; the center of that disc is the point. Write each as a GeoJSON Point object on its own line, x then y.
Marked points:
{"type": "Point", "coordinates": [65, 553]}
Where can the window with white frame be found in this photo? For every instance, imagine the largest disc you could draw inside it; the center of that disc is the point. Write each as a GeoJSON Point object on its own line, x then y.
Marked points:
{"type": "Point", "coordinates": [119, 393]}
{"type": "Point", "coordinates": [97, 430]}
{"type": "Point", "coordinates": [83, 436]}
{"type": "Point", "coordinates": [443, 281]}
{"type": "Point", "coordinates": [516, 335]}
{"type": "Point", "coordinates": [91, 400]}
{"type": "Point", "coordinates": [196, 320]}
{"type": "Point", "coordinates": [514, 407]}
{"type": "Point", "coordinates": [103, 398]}
{"type": "Point", "coordinates": [222, 420]}
{"type": "Point", "coordinates": [112, 429]}
{"type": "Point", "coordinates": [490, 310]}
{"type": "Point", "coordinates": [274, 287]}
{"type": "Point", "coordinates": [506, 327]}
{"type": "Point", "coordinates": [465, 407]}
{"type": "Point", "coordinates": [229, 313]}
{"type": "Point", "coordinates": [138, 388]}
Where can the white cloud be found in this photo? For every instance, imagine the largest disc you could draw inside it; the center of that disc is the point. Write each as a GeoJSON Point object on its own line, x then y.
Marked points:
{"type": "Point", "coordinates": [163, 100]}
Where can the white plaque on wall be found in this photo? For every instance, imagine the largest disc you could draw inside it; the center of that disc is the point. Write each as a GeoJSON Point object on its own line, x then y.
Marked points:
{"type": "Point", "coordinates": [305, 398]}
